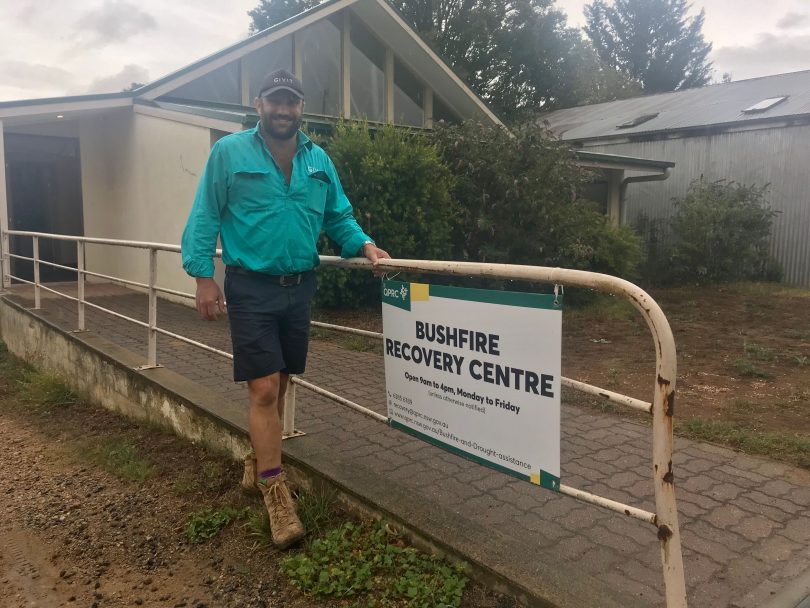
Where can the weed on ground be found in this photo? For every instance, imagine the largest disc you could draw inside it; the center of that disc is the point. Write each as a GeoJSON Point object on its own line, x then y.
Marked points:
{"type": "Point", "coordinates": [369, 562]}
{"type": "Point", "coordinates": [205, 524]}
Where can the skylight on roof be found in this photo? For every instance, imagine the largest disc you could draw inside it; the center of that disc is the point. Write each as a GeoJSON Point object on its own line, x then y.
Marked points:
{"type": "Point", "coordinates": [637, 121]}
{"type": "Point", "coordinates": [764, 105]}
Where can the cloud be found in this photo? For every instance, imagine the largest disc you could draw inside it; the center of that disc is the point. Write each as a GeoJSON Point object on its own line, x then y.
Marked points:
{"type": "Point", "coordinates": [33, 76]}
{"type": "Point", "coordinates": [793, 20]}
{"type": "Point", "coordinates": [115, 21]}
{"type": "Point", "coordinates": [770, 54]}
{"type": "Point", "coordinates": [28, 13]}
{"type": "Point", "coordinates": [115, 82]}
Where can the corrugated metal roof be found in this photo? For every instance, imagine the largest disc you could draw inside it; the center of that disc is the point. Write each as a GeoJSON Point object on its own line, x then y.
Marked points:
{"type": "Point", "coordinates": [712, 105]}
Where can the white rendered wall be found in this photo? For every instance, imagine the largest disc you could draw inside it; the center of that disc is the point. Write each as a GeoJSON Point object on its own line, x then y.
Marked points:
{"type": "Point", "coordinates": [139, 176]}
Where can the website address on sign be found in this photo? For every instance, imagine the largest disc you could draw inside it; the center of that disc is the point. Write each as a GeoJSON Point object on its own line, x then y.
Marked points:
{"type": "Point", "coordinates": [489, 453]}
{"type": "Point", "coordinates": [418, 414]}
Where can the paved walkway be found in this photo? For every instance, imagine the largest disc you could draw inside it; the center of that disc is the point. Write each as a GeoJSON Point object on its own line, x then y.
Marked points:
{"type": "Point", "coordinates": [745, 521]}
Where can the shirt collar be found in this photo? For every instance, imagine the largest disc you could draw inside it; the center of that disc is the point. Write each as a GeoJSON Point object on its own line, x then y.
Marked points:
{"type": "Point", "coordinates": [303, 140]}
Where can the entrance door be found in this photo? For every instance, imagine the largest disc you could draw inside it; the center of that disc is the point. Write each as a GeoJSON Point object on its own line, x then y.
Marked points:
{"type": "Point", "coordinates": [44, 195]}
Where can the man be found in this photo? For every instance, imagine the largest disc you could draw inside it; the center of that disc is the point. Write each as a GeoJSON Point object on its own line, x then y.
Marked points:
{"type": "Point", "coordinates": [268, 192]}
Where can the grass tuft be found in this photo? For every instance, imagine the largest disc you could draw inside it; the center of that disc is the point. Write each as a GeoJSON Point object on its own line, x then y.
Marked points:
{"type": "Point", "coordinates": [257, 524]}
{"type": "Point", "coordinates": [44, 390]}
{"type": "Point", "coordinates": [746, 369]}
{"type": "Point", "coordinates": [758, 352]}
{"type": "Point", "coordinates": [120, 457]}
{"type": "Point", "coordinates": [781, 446]}
{"type": "Point", "coordinates": [602, 307]}
{"type": "Point", "coordinates": [316, 509]}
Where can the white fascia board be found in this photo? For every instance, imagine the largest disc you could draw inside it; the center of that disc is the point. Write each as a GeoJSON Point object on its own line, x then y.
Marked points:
{"type": "Point", "coordinates": [618, 165]}
{"type": "Point", "coordinates": [61, 107]}
{"type": "Point", "coordinates": [189, 119]}
{"type": "Point", "coordinates": [212, 65]}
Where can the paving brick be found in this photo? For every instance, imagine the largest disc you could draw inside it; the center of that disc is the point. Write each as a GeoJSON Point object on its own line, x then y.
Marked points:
{"type": "Point", "coordinates": [725, 516]}
{"type": "Point", "coordinates": [636, 589]}
{"type": "Point", "coordinates": [777, 515]}
{"type": "Point", "coordinates": [775, 549]}
{"type": "Point", "coordinates": [797, 530]}
{"type": "Point", "coordinates": [721, 545]}
{"type": "Point", "coordinates": [695, 483]}
{"type": "Point", "coordinates": [697, 465]}
{"type": "Point", "coordinates": [724, 491]}
{"type": "Point", "coordinates": [581, 518]}
{"type": "Point", "coordinates": [776, 487]}
{"type": "Point", "coordinates": [602, 535]}
{"type": "Point", "coordinates": [646, 573]}
{"type": "Point", "coordinates": [699, 568]}
{"type": "Point", "coordinates": [756, 598]}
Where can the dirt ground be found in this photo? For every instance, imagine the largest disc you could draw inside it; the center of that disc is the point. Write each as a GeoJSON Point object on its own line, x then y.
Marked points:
{"type": "Point", "coordinates": [72, 534]}
{"type": "Point", "coordinates": [743, 352]}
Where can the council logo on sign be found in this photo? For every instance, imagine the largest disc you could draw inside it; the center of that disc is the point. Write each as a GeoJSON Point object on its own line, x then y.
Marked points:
{"type": "Point", "coordinates": [397, 294]}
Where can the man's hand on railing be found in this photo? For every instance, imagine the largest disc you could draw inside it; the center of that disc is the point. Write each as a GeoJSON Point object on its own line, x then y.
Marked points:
{"type": "Point", "coordinates": [210, 301]}
{"type": "Point", "coordinates": [373, 253]}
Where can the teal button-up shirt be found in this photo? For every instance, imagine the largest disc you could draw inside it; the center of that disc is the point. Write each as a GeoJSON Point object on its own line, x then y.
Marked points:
{"type": "Point", "coordinates": [266, 225]}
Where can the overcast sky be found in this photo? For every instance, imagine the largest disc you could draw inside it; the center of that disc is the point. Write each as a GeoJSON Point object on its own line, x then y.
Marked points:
{"type": "Point", "coordinates": [50, 48]}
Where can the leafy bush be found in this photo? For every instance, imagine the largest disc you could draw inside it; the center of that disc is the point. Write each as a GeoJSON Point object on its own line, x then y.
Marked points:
{"type": "Point", "coordinates": [400, 190]}
{"type": "Point", "coordinates": [721, 232]}
{"type": "Point", "coordinates": [518, 202]}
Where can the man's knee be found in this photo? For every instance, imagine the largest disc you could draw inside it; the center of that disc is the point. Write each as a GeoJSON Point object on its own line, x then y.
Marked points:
{"type": "Point", "coordinates": [265, 391]}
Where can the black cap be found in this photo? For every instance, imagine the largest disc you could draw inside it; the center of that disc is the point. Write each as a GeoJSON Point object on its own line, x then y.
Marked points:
{"type": "Point", "coordinates": [281, 80]}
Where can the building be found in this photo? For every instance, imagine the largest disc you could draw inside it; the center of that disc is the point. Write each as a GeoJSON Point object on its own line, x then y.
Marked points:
{"type": "Point", "coordinates": [125, 165]}
{"type": "Point", "coordinates": [752, 131]}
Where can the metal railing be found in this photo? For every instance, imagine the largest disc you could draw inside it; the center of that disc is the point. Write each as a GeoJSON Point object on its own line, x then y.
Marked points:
{"type": "Point", "coordinates": [665, 518]}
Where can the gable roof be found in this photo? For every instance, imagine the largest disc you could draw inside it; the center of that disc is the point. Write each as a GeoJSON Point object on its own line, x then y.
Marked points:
{"type": "Point", "coordinates": [689, 110]}
{"type": "Point", "coordinates": [380, 18]}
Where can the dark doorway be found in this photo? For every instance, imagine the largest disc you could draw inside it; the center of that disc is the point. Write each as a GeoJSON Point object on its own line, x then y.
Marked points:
{"type": "Point", "coordinates": [43, 176]}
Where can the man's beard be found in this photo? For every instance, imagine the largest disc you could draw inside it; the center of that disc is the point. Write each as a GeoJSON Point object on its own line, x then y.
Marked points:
{"type": "Point", "coordinates": [281, 133]}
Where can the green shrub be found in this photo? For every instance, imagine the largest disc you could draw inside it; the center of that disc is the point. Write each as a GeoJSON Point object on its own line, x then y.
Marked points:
{"type": "Point", "coordinates": [518, 203]}
{"type": "Point", "coordinates": [721, 232]}
{"type": "Point", "coordinates": [400, 189]}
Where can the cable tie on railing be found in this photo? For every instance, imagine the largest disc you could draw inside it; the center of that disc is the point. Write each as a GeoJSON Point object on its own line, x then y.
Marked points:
{"type": "Point", "coordinates": [558, 289]}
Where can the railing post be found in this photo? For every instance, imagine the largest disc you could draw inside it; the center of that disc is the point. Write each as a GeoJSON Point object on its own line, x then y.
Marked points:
{"type": "Point", "coordinates": [5, 261]}
{"type": "Point", "coordinates": [151, 359]}
{"type": "Point", "coordinates": [80, 282]}
{"type": "Point", "coordinates": [288, 429]}
{"type": "Point", "coordinates": [37, 290]}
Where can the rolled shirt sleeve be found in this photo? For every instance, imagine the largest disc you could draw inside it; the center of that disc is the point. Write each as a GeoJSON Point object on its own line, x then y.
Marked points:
{"type": "Point", "coordinates": [339, 222]}
{"type": "Point", "coordinates": [198, 245]}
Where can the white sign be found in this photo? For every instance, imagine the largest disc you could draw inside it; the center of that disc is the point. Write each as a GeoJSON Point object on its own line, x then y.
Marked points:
{"type": "Point", "coordinates": [477, 372]}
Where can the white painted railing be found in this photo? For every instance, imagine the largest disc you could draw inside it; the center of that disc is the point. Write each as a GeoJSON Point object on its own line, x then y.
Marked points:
{"type": "Point", "coordinates": [665, 518]}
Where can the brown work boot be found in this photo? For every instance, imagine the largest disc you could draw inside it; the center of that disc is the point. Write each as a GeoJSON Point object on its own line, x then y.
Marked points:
{"type": "Point", "coordinates": [287, 529]}
{"type": "Point", "coordinates": [250, 475]}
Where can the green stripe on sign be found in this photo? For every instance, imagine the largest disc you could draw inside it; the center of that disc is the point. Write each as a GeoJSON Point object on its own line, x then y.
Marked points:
{"type": "Point", "coordinates": [549, 481]}
{"type": "Point", "coordinates": [508, 298]}
{"type": "Point", "coordinates": [546, 479]}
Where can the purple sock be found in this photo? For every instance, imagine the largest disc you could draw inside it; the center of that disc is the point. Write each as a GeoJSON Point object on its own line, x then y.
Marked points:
{"type": "Point", "coordinates": [268, 474]}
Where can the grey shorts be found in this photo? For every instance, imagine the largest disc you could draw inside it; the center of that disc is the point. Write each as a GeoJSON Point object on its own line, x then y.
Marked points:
{"type": "Point", "coordinates": [269, 323]}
